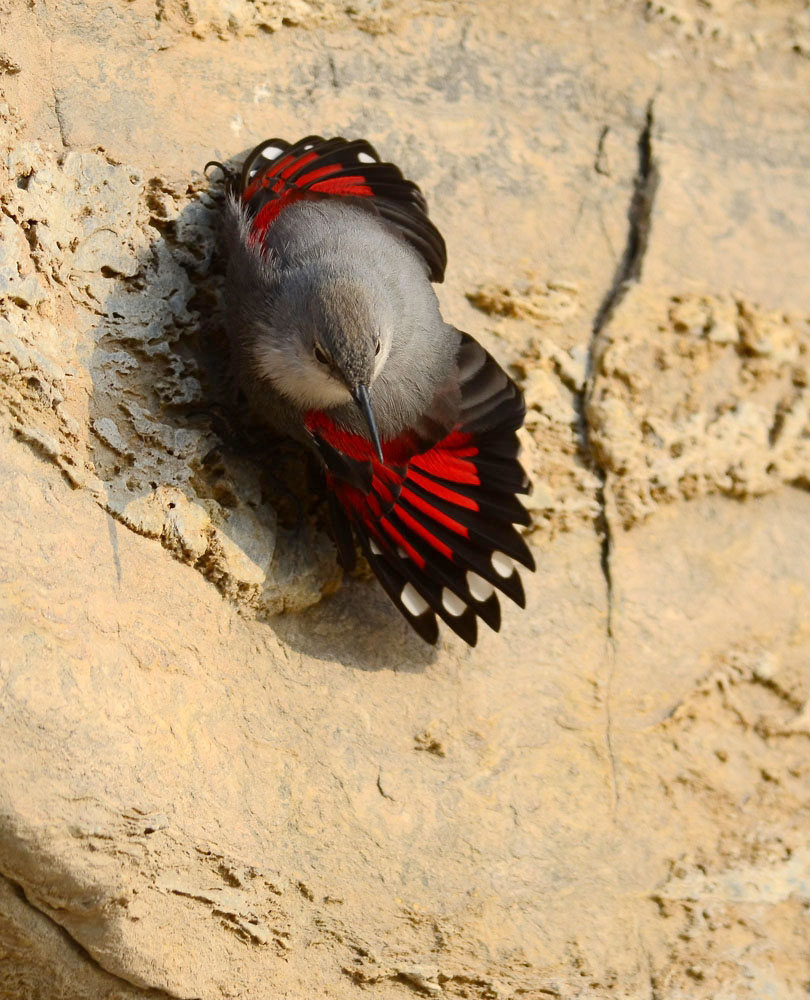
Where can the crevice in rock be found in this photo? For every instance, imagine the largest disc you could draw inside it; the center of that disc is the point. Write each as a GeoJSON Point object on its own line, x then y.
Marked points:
{"type": "Point", "coordinates": [57, 109]}
{"type": "Point", "coordinates": [148, 993]}
{"type": "Point", "coordinates": [381, 790]}
{"type": "Point", "coordinates": [60, 120]}
{"type": "Point", "coordinates": [628, 270]}
{"type": "Point", "coordinates": [600, 162]}
{"type": "Point", "coordinates": [333, 73]}
{"type": "Point", "coordinates": [639, 217]}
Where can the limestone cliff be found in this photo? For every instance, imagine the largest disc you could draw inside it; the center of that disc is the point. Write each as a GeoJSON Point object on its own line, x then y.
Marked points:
{"type": "Point", "coordinates": [228, 772]}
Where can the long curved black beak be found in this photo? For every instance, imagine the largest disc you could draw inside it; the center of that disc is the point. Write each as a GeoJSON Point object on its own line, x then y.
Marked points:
{"type": "Point", "coordinates": [361, 397]}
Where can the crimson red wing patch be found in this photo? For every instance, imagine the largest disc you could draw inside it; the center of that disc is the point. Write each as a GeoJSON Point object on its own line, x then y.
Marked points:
{"type": "Point", "coordinates": [277, 173]}
{"type": "Point", "coordinates": [437, 526]}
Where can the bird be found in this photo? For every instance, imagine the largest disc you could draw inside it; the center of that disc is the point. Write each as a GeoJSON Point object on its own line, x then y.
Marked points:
{"type": "Point", "coordinates": [336, 340]}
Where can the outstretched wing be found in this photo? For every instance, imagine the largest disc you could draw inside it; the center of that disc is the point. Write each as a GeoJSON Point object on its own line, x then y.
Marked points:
{"type": "Point", "coordinates": [277, 173]}
{"type": "Point", "coordinates": [437, 525]}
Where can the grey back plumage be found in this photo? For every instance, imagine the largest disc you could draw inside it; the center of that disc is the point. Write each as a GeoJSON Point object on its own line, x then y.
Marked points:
{"type": "Point", "coordinates": [331, 272]}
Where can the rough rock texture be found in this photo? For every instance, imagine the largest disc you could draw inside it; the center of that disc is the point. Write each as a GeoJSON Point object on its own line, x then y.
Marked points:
{"type": "Point", "coordinates": [202, 797]}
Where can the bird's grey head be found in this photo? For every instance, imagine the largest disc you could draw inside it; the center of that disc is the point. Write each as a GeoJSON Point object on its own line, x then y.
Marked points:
{"type": "Point", "coordinates": [325, 338]}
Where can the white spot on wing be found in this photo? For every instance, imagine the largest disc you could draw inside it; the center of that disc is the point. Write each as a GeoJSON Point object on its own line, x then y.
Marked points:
{"type": "Point", "coordinates": [502, 564]}
{"type": "Point", "coordinates": [375, 548]}
{"type": "Point", "coordinates": [308, 146]}
{"type": "Point", "coordinates": [480, 588]}
{"type": "Point", "coordinates": [413, 601]}
{"type": "Point", "coordinates": [452, 603]}
{"type": "Point", "coordinates": [365, 158]}
{"type": "Point", "coordinates": [401, 552]}
{"type": "Point", "coordinates": [271, 152]}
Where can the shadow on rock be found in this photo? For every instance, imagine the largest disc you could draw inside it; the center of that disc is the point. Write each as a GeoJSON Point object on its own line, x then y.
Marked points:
{"type": "Point", "coordinates": [175, 458]}
{"type": "Point", "coordinates": [357, 627]}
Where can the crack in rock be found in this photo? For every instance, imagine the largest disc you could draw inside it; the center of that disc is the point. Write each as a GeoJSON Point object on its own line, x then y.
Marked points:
{"type": "Point", "coordinates": [150, 992]}
{"type": "Point", "coordinates": [639, 215]}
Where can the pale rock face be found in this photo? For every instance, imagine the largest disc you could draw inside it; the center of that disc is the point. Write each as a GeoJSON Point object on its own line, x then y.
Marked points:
{"type": "Point", "coordinates": [203, 797]}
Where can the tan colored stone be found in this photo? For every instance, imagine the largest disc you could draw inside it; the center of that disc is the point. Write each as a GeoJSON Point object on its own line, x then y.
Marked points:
{"type": "Point", "coordinates": [204, 796]}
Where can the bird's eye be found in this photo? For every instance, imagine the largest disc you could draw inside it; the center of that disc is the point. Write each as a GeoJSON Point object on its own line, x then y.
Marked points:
{"type": "Point", "coordinates": [321, 355]}
{"type": "Point", "coordinates": [377, 347]}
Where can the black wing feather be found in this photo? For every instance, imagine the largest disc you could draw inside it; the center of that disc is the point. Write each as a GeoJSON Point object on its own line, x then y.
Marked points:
{"type": "Point", "coordinates": [442, 532]}
{"type": "Point", "coordinates": [394, 198]}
